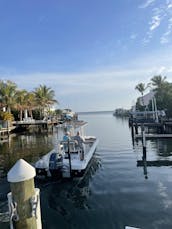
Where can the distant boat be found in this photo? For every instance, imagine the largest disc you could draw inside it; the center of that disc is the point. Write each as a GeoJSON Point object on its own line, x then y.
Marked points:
{"type": "Point", "coordinates": [68, 114]}
{"type": "Point", "coordinates": [67, 159]}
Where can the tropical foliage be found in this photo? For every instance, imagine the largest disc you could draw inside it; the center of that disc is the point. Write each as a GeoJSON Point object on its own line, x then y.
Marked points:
{"type": "Point", "coordinates": [7, 94]}
{"type": "Point", "coordinates": [163, 93]}
{"type": "Point", "coordinates": [44, 98]}
{"type": "Point", "coordinates": [13, 99]}
{"type": "Point", "coordinates": [141, 88]}
{"type": "Point", "coordinates": [6, 116]}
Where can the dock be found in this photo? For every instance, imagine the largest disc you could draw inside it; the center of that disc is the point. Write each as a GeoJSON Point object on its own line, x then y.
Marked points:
{"type": "Point", "coordinates": [161, 128]}
{"type": "Point", "coordinates": [26, 124]}
{"type": "Point", "coordinates": [34, 122]}
{"type": "Point", "coordinates": [153, 136]}
{"type": "Point", "coordinates": [46, 125]}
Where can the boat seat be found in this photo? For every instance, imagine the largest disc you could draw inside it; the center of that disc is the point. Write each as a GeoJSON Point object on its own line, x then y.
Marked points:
{"type": "Point", "coordinates": [69, 146]}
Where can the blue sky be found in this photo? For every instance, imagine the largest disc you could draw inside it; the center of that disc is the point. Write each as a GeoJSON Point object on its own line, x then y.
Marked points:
{"type": "Point", "coordinates": [92, 53]}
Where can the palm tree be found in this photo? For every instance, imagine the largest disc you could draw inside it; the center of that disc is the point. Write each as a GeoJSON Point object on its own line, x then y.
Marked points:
{"type": "Point", "coordinates": [7, 94]}
{"type": "Point", "coordinates": [30, 103]}
{"type": "Point", "coordinates": [44, 97]}
{"type": "Point", "coordinates": [141, 87]}
{"type": "Point", "coordinates": [158, 81]}
{"type": "Point", "coordinates": [21, 102]}
{"type": "Point", "coordinates": [161, 87]}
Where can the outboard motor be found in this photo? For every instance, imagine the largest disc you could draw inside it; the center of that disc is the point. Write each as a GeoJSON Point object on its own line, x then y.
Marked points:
{"type": "Point", "coordinates": [55, 164]}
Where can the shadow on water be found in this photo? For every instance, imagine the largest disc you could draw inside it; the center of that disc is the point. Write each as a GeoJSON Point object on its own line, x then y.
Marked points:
{"type": "Point", "coordinates": [66, 197]}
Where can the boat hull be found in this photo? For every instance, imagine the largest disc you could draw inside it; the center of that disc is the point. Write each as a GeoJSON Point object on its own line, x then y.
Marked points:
{"type": "Point", "coordinates": [67, 167]}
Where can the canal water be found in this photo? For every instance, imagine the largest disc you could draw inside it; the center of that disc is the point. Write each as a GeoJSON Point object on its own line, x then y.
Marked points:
{"type": "Point", "coordinates": [113, 193]}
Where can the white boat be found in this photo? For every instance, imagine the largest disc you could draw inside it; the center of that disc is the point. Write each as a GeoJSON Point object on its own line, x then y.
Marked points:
{"type": "Point", "coordinates": [68, 114]}
{"type": "Point", "coordinates": [67, 159]}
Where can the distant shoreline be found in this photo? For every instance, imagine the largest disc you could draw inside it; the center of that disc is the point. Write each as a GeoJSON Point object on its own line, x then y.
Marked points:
{"type": "Point", "coordinates": [94, 112]}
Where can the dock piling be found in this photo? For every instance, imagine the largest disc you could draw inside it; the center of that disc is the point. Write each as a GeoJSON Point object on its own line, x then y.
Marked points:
{"type": "Point", "coordinates": [132, 134]}
{"type": "Point", "coordinates": [23, 200]}
{"type": "Point", "coordinates": [144, 152]}
{"type": "Point", "coordinates": [136, 128]}
{"type": "Point", "coordinates": [143, 142]}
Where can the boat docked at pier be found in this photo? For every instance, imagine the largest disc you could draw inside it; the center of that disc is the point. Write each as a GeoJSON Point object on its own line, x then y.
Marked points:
{"type": "Point", "coordinates": [68, 158]}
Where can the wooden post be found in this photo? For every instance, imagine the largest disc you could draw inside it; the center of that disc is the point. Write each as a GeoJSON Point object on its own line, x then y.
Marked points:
{"type": "Point", "coordinates": [136, 128]}
{"type": "Point", "coordinates": [132, 134]}
{"type": "Point", "coordinates": [145, 168]}
{"type": "Point", "coordinates": [21, 178]}
{"type": "Point", "coordinates": [8, 131]}
{"type": "Point", "coordinates": [144, 152]}
{"type": "Point", "coordinates": [144, 142]}
{"type": "Point", "coordinates": [70, 167]}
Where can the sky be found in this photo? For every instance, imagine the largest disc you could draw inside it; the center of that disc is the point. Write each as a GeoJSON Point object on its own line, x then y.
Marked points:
{"type": "Point", "coordinates": [92, 53]}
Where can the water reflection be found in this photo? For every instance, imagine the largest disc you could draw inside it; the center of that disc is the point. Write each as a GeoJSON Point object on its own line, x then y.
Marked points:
{"type": "Point", "coordinates": [156, 163]}
{"type": "Point", "coordinates": [164, 147]}
{"type": "Point", "coordinates": [117, 189]}
{"type": "Point", "coordinates": [27, 146]}
{"type": "Point", "coordinates": [159, 155]}
{"type": "Point", "coordinates": [81, 191]}
{"type": "Point", "coordinates": [67, 196]}
{"type": "Point", "coordinates": [143, 163]}
{"type": "Point", "coordinates": [160, 147]}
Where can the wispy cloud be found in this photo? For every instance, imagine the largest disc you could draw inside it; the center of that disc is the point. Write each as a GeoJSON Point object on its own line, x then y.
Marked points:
{"type": "Point", "coordinates": [165, 38]}
{"type": "Point", "coordinates": [160, 13]}
{"type": "Point", "coordinates": [146, 4]}
{"type": "Point", "coordinates": [156, 20]}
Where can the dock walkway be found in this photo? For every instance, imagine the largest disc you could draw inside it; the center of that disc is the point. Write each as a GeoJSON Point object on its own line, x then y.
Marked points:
{"type": "Point", "coordinates": [150, 136]}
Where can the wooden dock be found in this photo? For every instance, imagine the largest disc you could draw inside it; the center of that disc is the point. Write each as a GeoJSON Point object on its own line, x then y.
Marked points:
{"type": "Point", "coordinates": [34, 122]}
{"type": "Point", "coordinates": [151, 136]}
{"type": "Point", "coordinates": [41, 125]}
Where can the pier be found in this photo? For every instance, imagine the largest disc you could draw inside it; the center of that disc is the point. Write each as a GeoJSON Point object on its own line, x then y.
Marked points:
{"type": "Point", "coordinates": [151, 136]}
{"type": "Point", "coordinates": [35, 122]}
{"type": "Point", "coordinates": [41, 125]}
{"type": "Point", "coordinates": [155, 126]}
{"type": "Point", "coordinates": [142, 131]}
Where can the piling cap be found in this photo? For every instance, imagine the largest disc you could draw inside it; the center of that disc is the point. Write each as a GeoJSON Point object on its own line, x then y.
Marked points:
{"type": "Point", "coordinates": [21, 171]}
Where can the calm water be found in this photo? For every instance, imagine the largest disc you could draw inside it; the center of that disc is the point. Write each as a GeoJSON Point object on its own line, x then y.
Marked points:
{"type": "Point", "coordinates": [114, 191]}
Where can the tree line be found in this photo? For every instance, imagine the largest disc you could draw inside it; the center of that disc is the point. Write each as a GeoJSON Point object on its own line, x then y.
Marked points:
{"type": "Point", "coordinates": [14, 101]}
{"type": "Point", "coordinates": [163, 93]}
